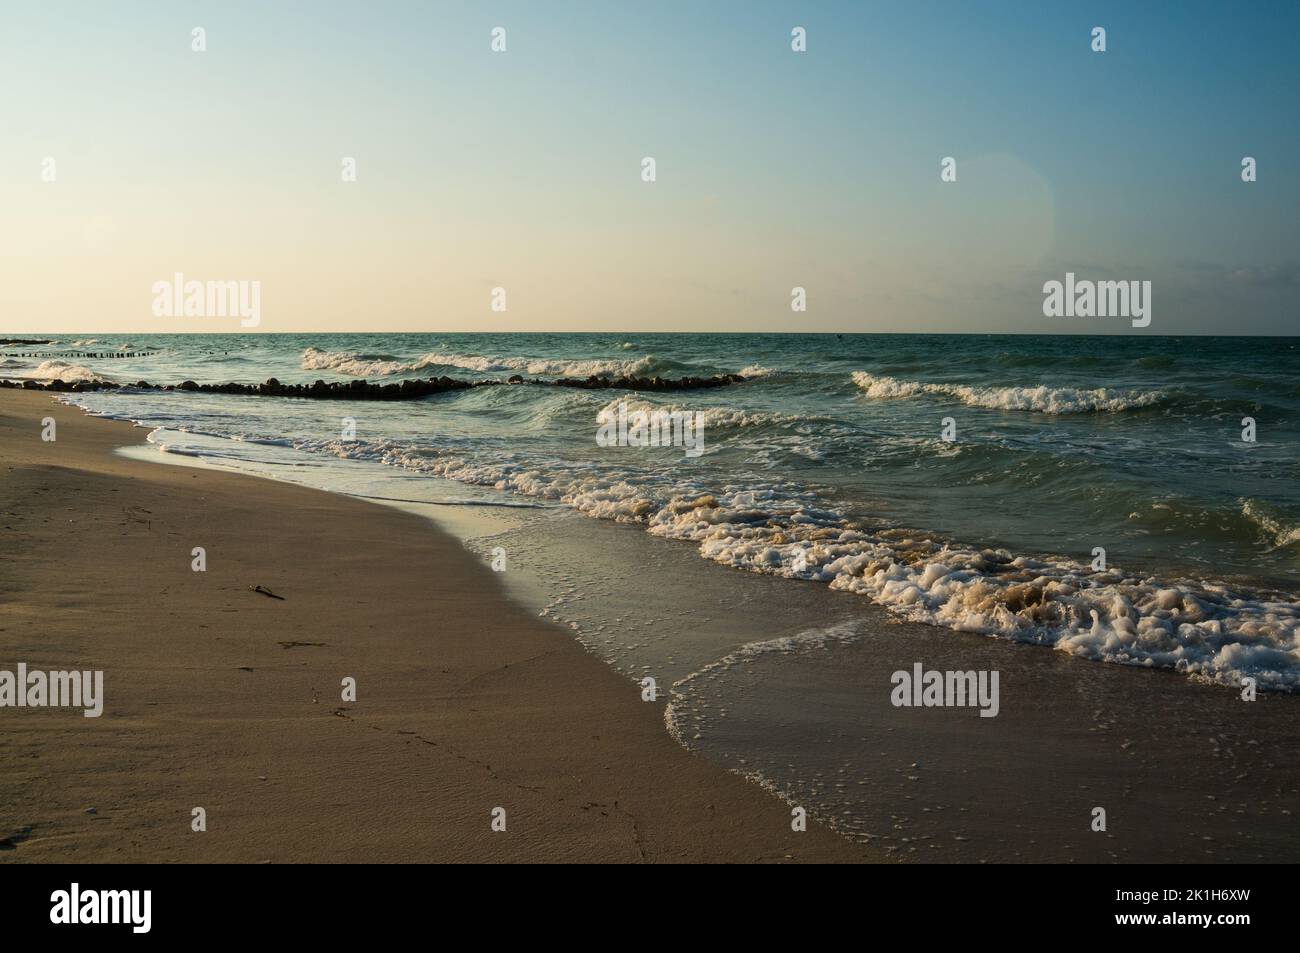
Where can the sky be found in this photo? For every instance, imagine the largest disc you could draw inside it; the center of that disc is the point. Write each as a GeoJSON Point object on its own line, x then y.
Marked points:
{"type": "Point", "coordinates": [775, 169]}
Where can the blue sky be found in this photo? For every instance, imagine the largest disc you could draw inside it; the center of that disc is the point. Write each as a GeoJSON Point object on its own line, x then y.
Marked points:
{"type": "Point", "coordinates": [775, 169]}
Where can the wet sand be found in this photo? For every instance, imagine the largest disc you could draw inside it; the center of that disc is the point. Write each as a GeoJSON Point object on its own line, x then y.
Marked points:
{"type": "Point", "coordinates": [222, 698]}
{"type": "Point", "coordinates": [1186, 771]}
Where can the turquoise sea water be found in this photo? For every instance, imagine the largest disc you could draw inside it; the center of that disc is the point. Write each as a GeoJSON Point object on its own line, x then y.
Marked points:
{"type": "Point", "coordinates": [829, 464]}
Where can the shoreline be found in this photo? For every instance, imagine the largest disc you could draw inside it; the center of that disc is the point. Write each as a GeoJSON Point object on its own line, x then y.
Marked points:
{"type": "Point", "coordinates": [221, 698]}
{"type": "Point", "coordinates": [1183, 768]}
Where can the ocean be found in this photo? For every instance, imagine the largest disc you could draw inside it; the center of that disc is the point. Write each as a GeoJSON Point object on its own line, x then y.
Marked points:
{"type": "Point", "coordinates": [1096, 497]}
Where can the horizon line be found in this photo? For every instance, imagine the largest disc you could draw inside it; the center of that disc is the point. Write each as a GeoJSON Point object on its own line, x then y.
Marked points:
{"type": "Point", "coordinates": [1063, 334]}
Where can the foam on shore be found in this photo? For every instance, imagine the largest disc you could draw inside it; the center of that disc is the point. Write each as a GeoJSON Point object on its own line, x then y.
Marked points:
{"type": "Point", "coordinates": [1200, 628]}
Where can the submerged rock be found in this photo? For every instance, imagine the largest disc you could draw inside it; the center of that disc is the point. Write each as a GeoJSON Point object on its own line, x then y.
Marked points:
{"type": "Point", "coordinates": [402, 390]}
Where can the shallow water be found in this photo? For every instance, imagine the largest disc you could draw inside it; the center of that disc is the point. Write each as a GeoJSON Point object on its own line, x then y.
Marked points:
{"type": "Point", "coordinates": [830, 464]}
{"type": "Point", "coordinates": [833, 453]}
{"type": "Point", "coordinates": [789, 683]}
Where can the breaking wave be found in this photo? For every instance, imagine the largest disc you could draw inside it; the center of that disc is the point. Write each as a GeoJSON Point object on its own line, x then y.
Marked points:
{"type": "Point", "coordinates": [64, 371]}
{"type": "Point", "coordinates": [1277, 530]}
{"type": "Point", "coordinates": [1042, 399]}
{"type": "Point", "coordinates": [1201, 629]}
{"type": "Point", "coordinates": [366, 365]}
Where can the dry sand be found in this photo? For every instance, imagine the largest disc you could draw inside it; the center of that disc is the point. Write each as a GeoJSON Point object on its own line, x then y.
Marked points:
{"type": "Point", "coordinates": [221, 698]}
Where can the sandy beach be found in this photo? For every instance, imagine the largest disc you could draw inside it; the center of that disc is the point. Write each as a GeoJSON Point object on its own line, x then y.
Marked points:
{"type": "Point", "coordinates": [219, 697]}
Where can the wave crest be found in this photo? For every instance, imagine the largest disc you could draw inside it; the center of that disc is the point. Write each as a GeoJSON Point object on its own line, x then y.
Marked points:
{"type": "Point", "coordinates": [1203, 629]}
{"type": "Point", "coordinates": [1041, 399]}
{"type": "Point", "coordinates": [66, 372]}
{"type": "Point", "coordinates": [363, 365]}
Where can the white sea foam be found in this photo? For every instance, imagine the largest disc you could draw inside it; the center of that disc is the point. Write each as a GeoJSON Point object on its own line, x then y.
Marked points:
{"type": "Point", "coordinates": [359, 365]}
{"type": "Point", "coordinates": [1202, 629]}
{"type": "Point", "coordinates": [1042, 399]}
{"type": "Point", "coordinates": [356, 365]}
{"type": "Point", "coordinates": [66, 372]}
{"type": "Point", "coordinates": [1279, 532]}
